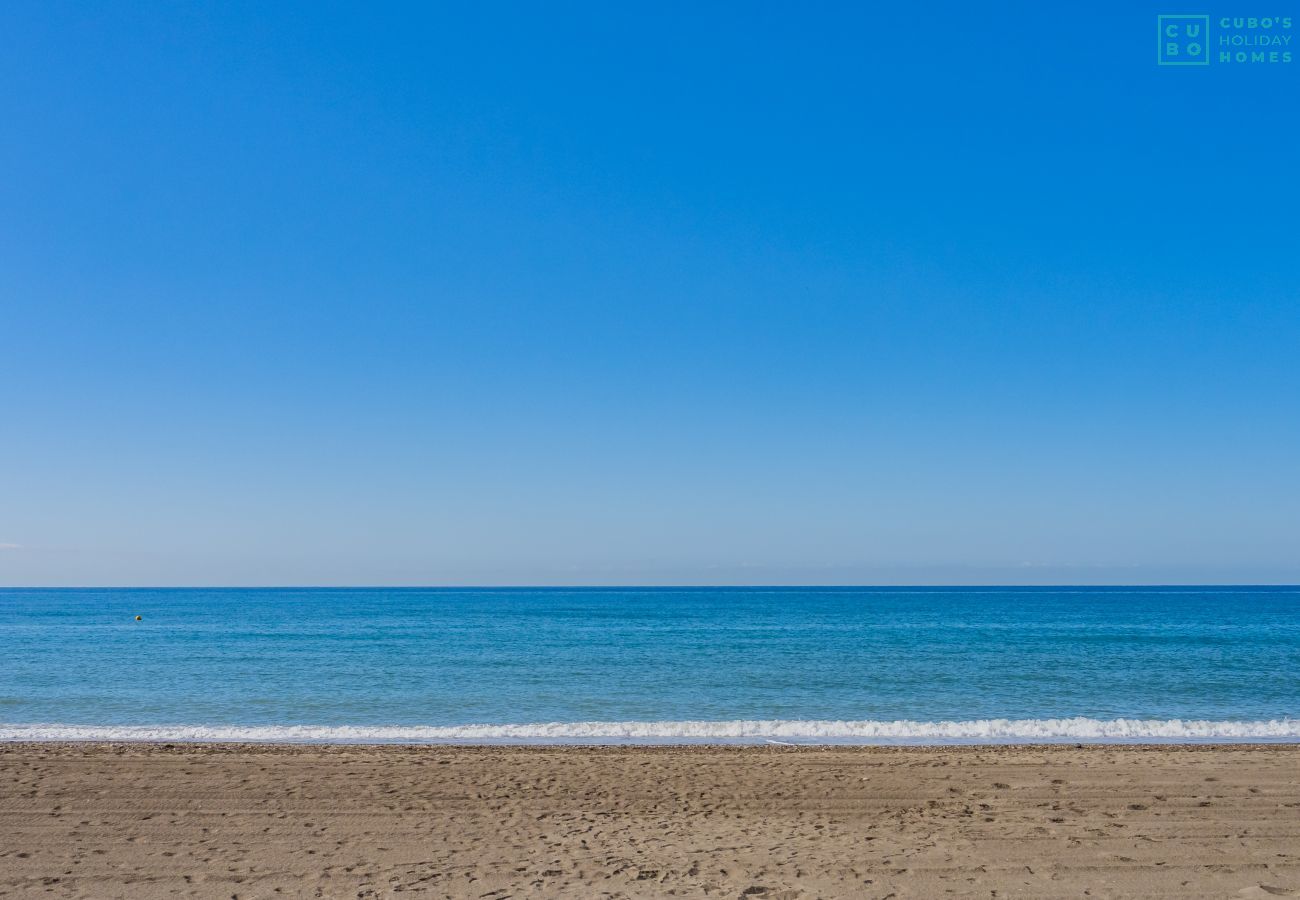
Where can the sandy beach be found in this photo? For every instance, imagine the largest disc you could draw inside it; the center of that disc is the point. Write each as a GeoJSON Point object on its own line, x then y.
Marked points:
{"type": "Point", "coordinates": [240, 821]}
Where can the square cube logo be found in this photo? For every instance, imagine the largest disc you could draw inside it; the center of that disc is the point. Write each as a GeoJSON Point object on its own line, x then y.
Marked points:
{"type": "Point", "coordinates": [1183, 40]}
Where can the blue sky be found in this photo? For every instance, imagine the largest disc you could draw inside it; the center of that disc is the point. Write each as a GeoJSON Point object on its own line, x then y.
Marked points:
{"type": "Point", "coordinates": [597, 294]}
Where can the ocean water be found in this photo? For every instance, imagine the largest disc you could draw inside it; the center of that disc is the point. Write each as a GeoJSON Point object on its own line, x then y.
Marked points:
{"type": "Point", "coordinates": [803, 665]}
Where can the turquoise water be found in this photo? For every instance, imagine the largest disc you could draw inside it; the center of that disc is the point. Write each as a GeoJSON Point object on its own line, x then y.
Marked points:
{"type": "Point", "coordinates": [652, 664]}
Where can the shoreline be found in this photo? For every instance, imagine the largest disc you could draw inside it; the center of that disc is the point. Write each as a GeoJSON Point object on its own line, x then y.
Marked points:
{"type": "Point", "coordinates": [821, 732]}
{"type": "Point", "coordinates": [145, 820]}
{"type": "Point", "coordinates": [1281, 745]}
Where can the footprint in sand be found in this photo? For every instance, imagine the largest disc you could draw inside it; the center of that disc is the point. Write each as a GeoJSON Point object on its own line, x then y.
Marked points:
{"type": "Point", "coordinates": [1267, 890]}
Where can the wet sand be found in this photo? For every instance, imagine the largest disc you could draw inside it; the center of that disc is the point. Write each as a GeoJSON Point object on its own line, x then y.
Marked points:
{"type": "Point", "coordinates": [240, 821]}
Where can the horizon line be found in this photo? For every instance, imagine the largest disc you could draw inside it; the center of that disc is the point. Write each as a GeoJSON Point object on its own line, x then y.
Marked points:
{"type": "Point", "coordinates": [613, 587]}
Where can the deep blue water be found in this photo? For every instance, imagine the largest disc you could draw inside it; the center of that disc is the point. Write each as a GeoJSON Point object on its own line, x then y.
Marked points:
{"type": "Point", "coordinates": [450, 657]}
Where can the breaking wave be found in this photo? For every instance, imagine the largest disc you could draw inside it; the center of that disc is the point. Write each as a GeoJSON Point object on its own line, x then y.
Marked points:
{"type": "Point", "coordinates": [975, 731]}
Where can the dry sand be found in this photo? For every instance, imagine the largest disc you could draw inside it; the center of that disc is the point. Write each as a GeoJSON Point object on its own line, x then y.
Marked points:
{"type": "Point", "coordinates": [144, 821]}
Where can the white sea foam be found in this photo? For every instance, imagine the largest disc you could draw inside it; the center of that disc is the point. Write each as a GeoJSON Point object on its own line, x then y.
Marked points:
{"type": "Point", "coordinates": [976, 731]}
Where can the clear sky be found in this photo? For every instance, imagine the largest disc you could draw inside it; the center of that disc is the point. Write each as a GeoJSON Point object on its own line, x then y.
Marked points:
{"type": "Point", "coordinates": [306, 293]}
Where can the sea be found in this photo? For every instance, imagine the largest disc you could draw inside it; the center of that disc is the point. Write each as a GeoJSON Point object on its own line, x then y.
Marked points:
{"type": "Point", "coordinates": [810, 665]}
